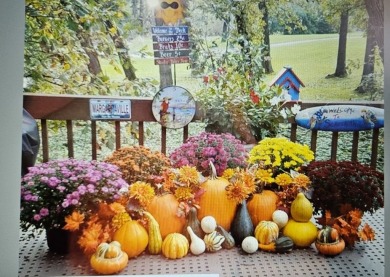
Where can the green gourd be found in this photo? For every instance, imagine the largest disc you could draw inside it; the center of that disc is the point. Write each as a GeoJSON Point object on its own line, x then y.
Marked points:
{"type": "Point", "coordinates": [282, 245]}
{"type": "Point", "coordinates": [229, 241]}
{"type": "Point", "coordinates": [194, 223]}
{"type": "Point", "coordinates": [242, 225]}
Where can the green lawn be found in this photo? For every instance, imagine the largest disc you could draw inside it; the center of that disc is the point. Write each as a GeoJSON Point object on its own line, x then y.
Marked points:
{"type": "Point", "coordinates": [312, 58]}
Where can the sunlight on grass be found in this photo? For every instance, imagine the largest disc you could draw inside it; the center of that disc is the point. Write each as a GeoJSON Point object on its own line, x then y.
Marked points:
{"type": "Point", "coordinates": [312, 58]}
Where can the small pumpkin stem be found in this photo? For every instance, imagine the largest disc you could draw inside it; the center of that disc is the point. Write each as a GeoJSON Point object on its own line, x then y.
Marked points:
{"type": "Point", "coordinates": [213, 174]}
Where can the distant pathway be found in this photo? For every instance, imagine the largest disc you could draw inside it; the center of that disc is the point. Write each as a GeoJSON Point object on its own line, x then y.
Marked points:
{"type": "Point", "coordinates": [308, 40]}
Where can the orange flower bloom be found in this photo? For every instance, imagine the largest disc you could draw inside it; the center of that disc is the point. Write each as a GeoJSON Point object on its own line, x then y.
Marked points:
{"type": "Point", "coordinates": [117, 208]}
{"type": "Point", "coordinates": [301, 180]}
{"type": "Point", "coordinates": [90, 239]}
{"type": "Point", "coordinates": [74, 221]}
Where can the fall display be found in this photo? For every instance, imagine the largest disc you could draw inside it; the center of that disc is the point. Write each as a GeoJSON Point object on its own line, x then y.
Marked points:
{"type": "Point", "coordinates": [269, 206]}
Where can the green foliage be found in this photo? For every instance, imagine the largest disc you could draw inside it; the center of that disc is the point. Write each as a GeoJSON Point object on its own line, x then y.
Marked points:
{"type": "Point", "coordinates": [66, 40]}
{"type": "Point", "coordinates": [232, 99]}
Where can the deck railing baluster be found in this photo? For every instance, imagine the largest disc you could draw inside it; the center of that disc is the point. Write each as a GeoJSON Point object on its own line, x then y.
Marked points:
{"type": "Point", "coordinates": [71, 108]}
{"type": "Point", "coordinates": [69, 131]}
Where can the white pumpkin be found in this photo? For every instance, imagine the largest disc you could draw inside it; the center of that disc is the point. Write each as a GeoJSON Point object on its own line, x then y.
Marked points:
{"type": "Point", "coordinates": [208, 224]}
{"type": "Point", "coordinates": [250, 245]}
{"type": "Point", "coordinates": [280, 218]}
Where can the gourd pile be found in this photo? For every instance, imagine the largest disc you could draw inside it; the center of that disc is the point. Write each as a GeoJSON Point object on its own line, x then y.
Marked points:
{"type": "Point", "coordinates": [278, 233]}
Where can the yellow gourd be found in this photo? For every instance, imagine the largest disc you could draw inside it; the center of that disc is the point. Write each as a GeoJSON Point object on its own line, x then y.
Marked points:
{"type": "Point", "coordinates": [155, 238]}
{"type": "Point", "coordinates": [133, 238]}
{"type": "Point", "coordinates": [175, 246]}
{"type": "Point", "coordinates": [301, 208]}
{"type": "Point", "coordinates": [303, 234]}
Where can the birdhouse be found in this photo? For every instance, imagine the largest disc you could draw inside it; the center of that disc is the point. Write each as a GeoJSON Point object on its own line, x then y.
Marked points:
{"type": "Point", "coordinates": [289, 82]}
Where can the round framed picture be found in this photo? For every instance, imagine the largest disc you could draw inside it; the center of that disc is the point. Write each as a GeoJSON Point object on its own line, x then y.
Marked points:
{"type": "Point", "coordinates": [173, 107]}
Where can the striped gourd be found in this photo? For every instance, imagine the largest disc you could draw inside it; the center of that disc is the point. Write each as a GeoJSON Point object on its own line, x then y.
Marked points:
{"type": "Point", "coordinates": [266, 232]}
{"type": "Point", "coordinates": [155, 238]}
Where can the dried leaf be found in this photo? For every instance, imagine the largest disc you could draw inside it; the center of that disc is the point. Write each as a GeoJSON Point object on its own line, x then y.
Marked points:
{"type": "Point", "coordinates": [367, 233]}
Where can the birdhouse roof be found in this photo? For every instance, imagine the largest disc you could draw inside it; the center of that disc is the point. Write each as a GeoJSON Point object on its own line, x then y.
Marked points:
{"type": "Point", "coordinates": [283, 73]}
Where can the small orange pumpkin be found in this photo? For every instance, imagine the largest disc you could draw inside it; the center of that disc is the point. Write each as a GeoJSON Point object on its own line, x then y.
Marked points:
{"type": "Point", "coordinates": [262, 205]}
{"type": "Point", "coordinates": [109, 258]}
{"type": "Point", "coordinates": [164, 210]}
{"type": "Point", "coordinates": [133, 238]}
{"type": "Point", "coordinates": [330, 249]}
{"type": "Point", "coordinates": [215, 202]}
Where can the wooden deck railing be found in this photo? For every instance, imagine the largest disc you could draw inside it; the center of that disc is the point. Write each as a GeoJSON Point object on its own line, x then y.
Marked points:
{"type": "Point", "coordinates": [70, 108]}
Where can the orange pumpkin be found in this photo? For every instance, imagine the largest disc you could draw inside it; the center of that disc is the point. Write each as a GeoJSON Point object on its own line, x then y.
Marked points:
{"type": "Point", "coordinates": [330, 249]}
{"type": "Point", "coordinates": [214, 201]}
{"type": "Point", "coordinates": [164, 210]}
{"type": "Point", "coordinates": [133, 238]}
{"type": "Point", "coordinates": [262, 206]}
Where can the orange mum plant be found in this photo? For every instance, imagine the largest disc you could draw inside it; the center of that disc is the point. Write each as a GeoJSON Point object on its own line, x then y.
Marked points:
{"type": "Point", "coordinates": [139, 163]}
{"type": "Point", "coordinates": [97, 228]}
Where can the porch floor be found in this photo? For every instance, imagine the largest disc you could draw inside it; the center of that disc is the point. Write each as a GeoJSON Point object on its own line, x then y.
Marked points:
{"type": "Point", "coordinates": [366, 259]}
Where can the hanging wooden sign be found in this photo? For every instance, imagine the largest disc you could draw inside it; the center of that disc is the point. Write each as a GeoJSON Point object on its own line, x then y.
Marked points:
{"type": "Point", "coordinates": [170, 44]}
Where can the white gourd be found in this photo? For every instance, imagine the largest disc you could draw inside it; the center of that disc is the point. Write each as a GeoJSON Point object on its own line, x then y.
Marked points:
{"type": "Point", "coordinates": [280, 218]}
{"type": "Point", "coordinates": [208, 224]}
{"type": "Point", "coordinates": [250, 245]}
{"type": "Point", "coordinates": [197, 246]}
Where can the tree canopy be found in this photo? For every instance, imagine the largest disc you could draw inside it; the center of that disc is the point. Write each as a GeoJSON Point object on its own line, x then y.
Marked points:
{"type": "Point", "coordinates": [66, 40]}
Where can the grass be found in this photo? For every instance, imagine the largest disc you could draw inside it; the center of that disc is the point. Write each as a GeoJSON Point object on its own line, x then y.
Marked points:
{"type": "Point", "coordinates": [312, 58]}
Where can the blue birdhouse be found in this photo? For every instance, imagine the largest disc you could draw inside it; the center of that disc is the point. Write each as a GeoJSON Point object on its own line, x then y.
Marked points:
{"type": "Point", "coordinates": [289, 82]}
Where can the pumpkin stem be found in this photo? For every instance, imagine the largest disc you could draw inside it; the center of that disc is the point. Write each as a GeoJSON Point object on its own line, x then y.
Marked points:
{"type": "Point", "coordinates": [213, 174]}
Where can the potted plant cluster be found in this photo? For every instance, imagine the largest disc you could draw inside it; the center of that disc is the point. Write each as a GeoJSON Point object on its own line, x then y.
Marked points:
{"type": "Point", "coordinates": [223, 150]}
{"type": "Point", "coordinates": [51, 191]}
{"type": "Point", "coordinates": [138, 163]}
{"type": "Point", "coordinates": [278, 161]}
{"type": "Point", "coordinates": [342, 191]}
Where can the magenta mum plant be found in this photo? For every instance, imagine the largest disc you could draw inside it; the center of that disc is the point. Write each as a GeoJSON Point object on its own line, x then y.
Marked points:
{"type": "Point", "coordinates": [51, 191]}
{"type": "Point", "coordinates": [223, 150]}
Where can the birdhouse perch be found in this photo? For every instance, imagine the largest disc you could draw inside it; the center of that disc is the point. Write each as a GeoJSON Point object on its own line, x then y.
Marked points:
{"type": "Point", "coordinates": [289, 81]}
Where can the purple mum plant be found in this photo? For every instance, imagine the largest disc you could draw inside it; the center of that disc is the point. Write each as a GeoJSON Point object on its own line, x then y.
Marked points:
{"type": "Point", "coordinates": [223, 150]}
{"type": "Point", "coordinates": [51, 191]}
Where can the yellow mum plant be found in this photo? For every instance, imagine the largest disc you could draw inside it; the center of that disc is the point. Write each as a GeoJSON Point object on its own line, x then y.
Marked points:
{"type": "Point", "coordinates": [280, 154]}
{"type": "Point", "coordinates": [278, 161]}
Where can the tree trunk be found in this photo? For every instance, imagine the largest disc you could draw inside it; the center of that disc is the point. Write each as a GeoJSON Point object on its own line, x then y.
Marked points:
{"type": "Point", "coordinates": [94, 63]}
{"type": "Point", "coordinates": [342, 50]}
{"type": "Point", "coordinates": [375, 38]}
{"type": "Point", "coordinates": [165, 70]}
{"type": "Point", "coordinates": [165, 75]}
{"type": "Point", "coordinates": [122, 50]}
{"type": "Point", "coordinates": [244, 39]}
{"type": "Point", "coordinates": [266, 51]}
